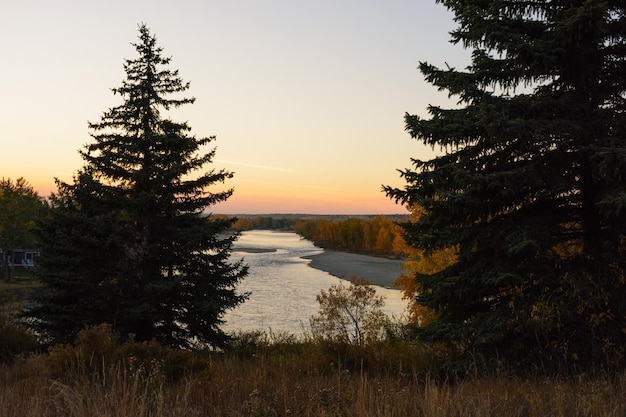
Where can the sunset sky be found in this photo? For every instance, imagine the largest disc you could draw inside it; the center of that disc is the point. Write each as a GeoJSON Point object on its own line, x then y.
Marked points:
{"type": "Point", "coordinates": [306, 98]}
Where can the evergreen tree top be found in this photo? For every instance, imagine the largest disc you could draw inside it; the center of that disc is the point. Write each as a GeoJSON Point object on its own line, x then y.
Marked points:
{"type": "Point", "coordinates": [136, 146]}
{"type": "Point", "coordinates": [144, 74]}
{"type": "Point", "coordinates": [148, 86]}
{"type": "Point", "coordinates": [534, 43]}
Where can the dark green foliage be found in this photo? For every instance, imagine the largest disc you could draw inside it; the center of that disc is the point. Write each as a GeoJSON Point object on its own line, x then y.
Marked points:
{"type": "Point", "coordinates": [20, 206]}
{"type": "Point", "coordinates": [14, 340]}
{"type": "Point", "coordinates": [531, 188]}
{"type": "Point", "coordinates": [15, 337]}
{"type": "Point", "coordinates": [129, 242]}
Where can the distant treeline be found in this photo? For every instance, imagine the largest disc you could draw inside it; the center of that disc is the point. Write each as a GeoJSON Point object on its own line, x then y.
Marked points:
{"type": "Point", "coordinates": [264, 223]}
{"type": "Point", "coordinates": [374, 235]}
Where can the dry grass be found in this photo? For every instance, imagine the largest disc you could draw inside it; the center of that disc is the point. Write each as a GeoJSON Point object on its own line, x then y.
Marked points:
{"type": "Point", "coordinates": [22, 280]}
{"type": "Point", "coordinates": [96, 377]}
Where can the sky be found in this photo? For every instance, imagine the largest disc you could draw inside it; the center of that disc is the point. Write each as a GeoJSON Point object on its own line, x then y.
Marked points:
{"type": "Point", "coordinates": [306, 99]}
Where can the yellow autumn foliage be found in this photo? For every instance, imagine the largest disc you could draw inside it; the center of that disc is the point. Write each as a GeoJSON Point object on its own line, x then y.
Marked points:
{"type": "Point", "coordinates": [419, 263]}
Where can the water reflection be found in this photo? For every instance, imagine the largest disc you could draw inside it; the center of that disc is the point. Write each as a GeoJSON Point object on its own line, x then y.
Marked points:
{"type": "Point", "coordinates": [282, 285]}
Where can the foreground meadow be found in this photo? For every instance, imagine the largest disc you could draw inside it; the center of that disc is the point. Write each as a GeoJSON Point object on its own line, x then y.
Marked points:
{"type": "Point", "coordinates": [260, 377]}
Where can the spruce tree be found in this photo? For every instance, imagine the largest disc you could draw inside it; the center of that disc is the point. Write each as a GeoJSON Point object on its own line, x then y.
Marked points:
{"type": "Point", "coordinates": [530, 189]}
{"type": "Point", "coordinates": [130, 242]}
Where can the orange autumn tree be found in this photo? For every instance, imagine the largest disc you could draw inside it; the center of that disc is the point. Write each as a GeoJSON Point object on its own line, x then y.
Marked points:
{"type": "Point", "coordinates": [420, 263]}
{"type": "Point", "coordinates": [378, 236]}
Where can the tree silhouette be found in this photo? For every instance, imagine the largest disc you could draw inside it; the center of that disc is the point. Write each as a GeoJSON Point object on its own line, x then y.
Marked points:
{"type": "Point", "coordinates": [129, 242]}
{"type": "Point", "coordinates": [530, 189]}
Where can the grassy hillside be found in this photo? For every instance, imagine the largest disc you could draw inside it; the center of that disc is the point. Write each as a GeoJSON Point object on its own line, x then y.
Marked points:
{"type": "Point", "coordinates": [279, 376]}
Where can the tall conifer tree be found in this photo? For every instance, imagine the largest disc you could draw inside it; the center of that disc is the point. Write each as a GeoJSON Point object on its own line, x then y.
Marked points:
{"type": "Point", "coordinates": [531, 187]}
{"type": "Point", "coordinates": [128, 242]}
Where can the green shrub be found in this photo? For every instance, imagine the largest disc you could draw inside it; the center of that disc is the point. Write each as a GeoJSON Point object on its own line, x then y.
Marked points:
{"type": "Point", "coordinates": [15, 338]}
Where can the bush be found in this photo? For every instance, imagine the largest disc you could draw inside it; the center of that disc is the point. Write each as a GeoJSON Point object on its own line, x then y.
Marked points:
{"type": "Point", "coordinates": [351, 315]}
{"type": "Point", "coordinates": [15, 338]}
{"type": "Point", "coordinates": [97, 349]}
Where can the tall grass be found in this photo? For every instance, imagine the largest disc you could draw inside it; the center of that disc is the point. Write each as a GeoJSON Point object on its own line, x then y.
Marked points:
{"type": "Point", "coordinates": [262, 377]}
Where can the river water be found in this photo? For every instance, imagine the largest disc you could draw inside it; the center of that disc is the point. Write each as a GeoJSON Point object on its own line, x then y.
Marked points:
{"type": "Point", "coordinates": [283, 286]}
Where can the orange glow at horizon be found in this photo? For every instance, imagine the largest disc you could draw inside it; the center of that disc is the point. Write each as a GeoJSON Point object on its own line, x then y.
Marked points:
{"type": "Point", "coordinates": [304, 130]}
{"type": "Point", "coordinates": [273, 203]}
{"type": "Point", "coordinates": [265, 200]}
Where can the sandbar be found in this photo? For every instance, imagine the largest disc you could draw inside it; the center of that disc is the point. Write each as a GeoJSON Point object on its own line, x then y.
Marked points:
{"type": "Point", "coordinates": [253, 250]}
{"type": "Point", "coordinates": [378, 271]}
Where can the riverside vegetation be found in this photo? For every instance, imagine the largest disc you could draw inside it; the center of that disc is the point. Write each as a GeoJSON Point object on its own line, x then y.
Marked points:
{"type": "Point", "coordinates": [276, 375]}
{"type": "Point", "coordinates": [269, 374]}
{"type": "Point", "coordinates": [369, 235]}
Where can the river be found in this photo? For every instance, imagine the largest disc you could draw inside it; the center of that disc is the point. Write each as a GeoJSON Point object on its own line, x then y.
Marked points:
{"type": "Point", "coordinates": [283, 286]}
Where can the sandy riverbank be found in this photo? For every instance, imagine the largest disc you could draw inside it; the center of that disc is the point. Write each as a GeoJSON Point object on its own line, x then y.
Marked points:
{"type": "Point", "coordinates": [253, 250]}
{"type": "Point", "coordinates": [378, 271]}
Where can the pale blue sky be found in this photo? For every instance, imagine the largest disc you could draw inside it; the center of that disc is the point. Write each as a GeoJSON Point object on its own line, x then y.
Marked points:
{"type": "Point", "coordinates": [306, 98]}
